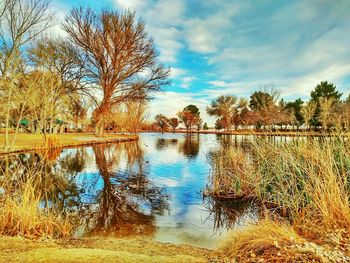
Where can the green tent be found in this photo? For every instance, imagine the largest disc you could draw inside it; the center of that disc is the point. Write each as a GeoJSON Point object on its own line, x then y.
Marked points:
{"type": "Point", "coordinates": [24, 122]}
{"type": "Point", "coordinates": [59, 121]}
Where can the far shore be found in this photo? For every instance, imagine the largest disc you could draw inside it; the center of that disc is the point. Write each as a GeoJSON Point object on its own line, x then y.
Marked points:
{"type": "Point", "coordinates": [260, 133]}
{"type": "Point", "coordinates": [30, 142]}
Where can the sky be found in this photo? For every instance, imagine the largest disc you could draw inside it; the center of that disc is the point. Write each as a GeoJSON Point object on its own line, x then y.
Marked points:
{"type": "Point", "coordinates": [226, 47]}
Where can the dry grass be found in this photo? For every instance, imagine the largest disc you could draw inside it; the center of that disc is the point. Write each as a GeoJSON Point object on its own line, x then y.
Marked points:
{"type": "Point", "coordinates": [52, 141]}
{"type": "Point", "coordinates": [22, 216]}
{"type": "Point", "coordinates": [26, 142]}
{"type": "Point", "coordinates": [20, 209]}
{"type": "Point", "coordinates": [307, 182]}
{"type": "Point", "coordinates": [271, 241]}
{"type": "Point", "coordinates": [232, 174]}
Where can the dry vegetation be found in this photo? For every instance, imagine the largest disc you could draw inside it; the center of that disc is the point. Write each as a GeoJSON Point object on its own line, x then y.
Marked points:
{"type": "Point", "coordinates": [305, 187]}
{"type": "Point", "coordinates": [22, 210]}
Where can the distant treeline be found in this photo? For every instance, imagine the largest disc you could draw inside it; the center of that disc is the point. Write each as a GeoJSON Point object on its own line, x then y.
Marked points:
{"type": "Point", "coordinates": [264, 110]}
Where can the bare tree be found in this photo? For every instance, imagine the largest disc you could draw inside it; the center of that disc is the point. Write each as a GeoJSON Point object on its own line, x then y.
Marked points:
{"type": "Point", "coordinates": [308, 112]}
{"type": "Point", "coordinates": [120, 58]}
{"type": "Point", "coordinates": [326, 107]}
{"type": "Point", "coordinates": [136, 115]}
{"type": "Point", "coordinates": [21, 21]}
{"type": "Point", "coordinates": [62, 60]}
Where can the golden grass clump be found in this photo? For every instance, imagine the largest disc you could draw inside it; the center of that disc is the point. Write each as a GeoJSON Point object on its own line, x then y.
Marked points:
{"type": "Point", "coordinates": [52, 141]}
{"type": "Point", "coordinates": [271, 241]}
{"type": "Point", "coordinates": [24, 206]}
{"type": "Point", "coordinates": [232, 174]}
{"type": "Point", "coordinates": [22, 215]}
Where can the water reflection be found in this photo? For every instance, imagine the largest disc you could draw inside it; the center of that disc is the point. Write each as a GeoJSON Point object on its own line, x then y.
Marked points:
{"type": "Point", "coordinates": [148, 187]}
{"type": "Point", "coordinates": [226, 214]}
{"type": "Point", "coordinates": [162, 143]}
{"type": "Point", "coordinates": [190, 146]}
{"type": "Point", "coordinates": [124, 193]}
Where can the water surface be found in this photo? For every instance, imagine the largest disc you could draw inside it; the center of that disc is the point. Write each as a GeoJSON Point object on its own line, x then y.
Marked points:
{"type": "Point", "coordinates": [151, 187]}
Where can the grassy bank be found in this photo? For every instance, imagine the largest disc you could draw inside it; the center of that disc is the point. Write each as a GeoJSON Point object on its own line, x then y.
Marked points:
{"type": "Point", "coordinates": [26, 142]}
{"type": "Point", "coordinates": [303, 188]}
{"type": "Point", "coordinates": [19, 249]}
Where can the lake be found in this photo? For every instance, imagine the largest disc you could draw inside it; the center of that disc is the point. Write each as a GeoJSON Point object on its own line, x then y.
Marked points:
{"type": "Point", "coordinates": [153, 187]}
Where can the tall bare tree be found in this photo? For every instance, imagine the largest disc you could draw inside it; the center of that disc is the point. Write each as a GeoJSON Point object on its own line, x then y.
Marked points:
{"type": "Point", "coordinates": [120, 58]}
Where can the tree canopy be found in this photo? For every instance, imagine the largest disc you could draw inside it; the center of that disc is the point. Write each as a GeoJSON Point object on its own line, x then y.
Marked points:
{"type": "Point", "coordinates": [119, 57]}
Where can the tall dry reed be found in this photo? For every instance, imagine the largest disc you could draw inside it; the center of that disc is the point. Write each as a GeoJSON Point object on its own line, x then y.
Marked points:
{"type": "Point", "coordinates": [21, 207]}
{"type": "Point", "coordinates": [308, 181]}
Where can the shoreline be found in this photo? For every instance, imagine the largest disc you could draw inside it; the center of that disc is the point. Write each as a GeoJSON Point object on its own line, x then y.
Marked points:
{"type": "Point", "coordinates": [33, 142]}
{"type": "Point", "coordinates": [258, 133]}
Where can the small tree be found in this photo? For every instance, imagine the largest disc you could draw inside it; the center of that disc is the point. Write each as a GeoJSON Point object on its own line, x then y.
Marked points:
{"type": "Point", "coordinates": [308, 112]}
{"type": "Point", "coordinates": [205, 126]}
{"type": "Point", "coordinates": [199, 124]}
{"type": "Point", "coordinates": [162, 122]}
{"type": "Point", "coordinates": [294, 108]}
{"type": "Point", "coordinates": [326, 105]}
{"type": "Point", "coordinates": [218, 125]}
{"type": "Point", "coordinates": [225, 108]}
{"type": "Point", "coordinates": [324, 90]}
{"type": "Point", "coordinates": [190, 116]}
{"type": "Point", "coordinates": [174, 122]}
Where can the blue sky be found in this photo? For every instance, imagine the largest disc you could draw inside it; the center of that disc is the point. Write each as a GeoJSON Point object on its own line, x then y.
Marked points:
{"type": "Point", "coordinates": [217, 47]}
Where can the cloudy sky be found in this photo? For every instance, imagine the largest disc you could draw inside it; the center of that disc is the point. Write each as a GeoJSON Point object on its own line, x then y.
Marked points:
{"type": "Point", "coordinates": [217, 47]}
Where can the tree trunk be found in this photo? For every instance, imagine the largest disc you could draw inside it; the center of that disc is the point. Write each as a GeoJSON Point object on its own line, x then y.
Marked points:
{"type": "Point", "coordinates": [7, 120]}
{"type": "Point", "coordinates": [99, 128]}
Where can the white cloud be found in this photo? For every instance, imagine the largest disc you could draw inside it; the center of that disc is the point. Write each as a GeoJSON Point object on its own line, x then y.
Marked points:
{"type": "Point", "coordinates": [177, 72]}
{"type": "Point", "coordinates": [186, 82]}
{"type": "Point", "coordinates": [163, 19]}
{"type": "Point", "coordinates": [60, 12]}
{"type": "Point", "coordinates": [205, 35]}
{"type": "Point", "coordinates": [132, 5]}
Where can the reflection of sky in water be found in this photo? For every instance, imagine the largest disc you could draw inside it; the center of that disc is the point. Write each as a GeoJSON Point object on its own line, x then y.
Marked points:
{"type": "Point", "coordinates": [181, 168]}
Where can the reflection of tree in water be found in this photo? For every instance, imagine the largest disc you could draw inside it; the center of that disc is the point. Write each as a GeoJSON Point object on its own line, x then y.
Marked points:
{"type": "Point", "coordinates": [162, 143]}
{"type": "Point", "coordinates": [190, 146]}
{"type": "Point", "coordinates": [228, 213]}
{"type": "Point", "coordinates": [228, 140]}
{"type": "Point", "coordinates": [127, 203]}
{"type": "Point", "coordinates": [125, 193]}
